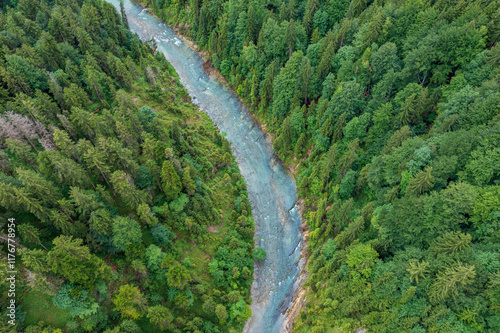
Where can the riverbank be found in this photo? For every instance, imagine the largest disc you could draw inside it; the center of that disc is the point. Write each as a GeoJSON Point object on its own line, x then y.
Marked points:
{"type": "Point", "coordinates": [298, 301]}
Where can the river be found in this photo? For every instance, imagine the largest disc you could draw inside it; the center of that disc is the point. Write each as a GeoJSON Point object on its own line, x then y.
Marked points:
{"type": "Point", "coordinates": [272, 192]}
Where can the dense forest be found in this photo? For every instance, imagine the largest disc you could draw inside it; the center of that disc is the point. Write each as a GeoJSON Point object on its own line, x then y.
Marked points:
{"type": "Point", "coordinates": [389, 112]}
{"type": "Point", "coordinates": [131, 214]}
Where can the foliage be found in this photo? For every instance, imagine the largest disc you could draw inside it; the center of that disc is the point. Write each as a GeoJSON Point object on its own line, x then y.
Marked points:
{"type": "Point", "coordinates": [259, 253]}
{"type": "Point", "coordinates": [125, 232]}
{"type": "Point", "coordinates": [388, 112]}
{"type": "Point", "coordinates": [129, 301]}
{"type": "Point", "coordinates": [108, 169]}
{"type": "Point", "coordinates": [160, 316]}
{"type": "Point", "coordinates": [69, 297]}
{"type": "Point", "coordinates": [178, 276]}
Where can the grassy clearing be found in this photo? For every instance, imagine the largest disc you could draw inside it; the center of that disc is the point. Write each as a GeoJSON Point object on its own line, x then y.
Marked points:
{"type": "Point", "coordinates": [39, 307]}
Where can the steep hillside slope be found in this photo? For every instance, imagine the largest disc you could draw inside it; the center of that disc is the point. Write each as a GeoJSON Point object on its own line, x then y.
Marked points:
{"type": "Point", "coordinates": [390, 111]}
{"type": "Point", "coordinates": [130, 212]}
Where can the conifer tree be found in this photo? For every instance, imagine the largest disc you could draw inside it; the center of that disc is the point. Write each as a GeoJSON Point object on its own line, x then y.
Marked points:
{"type": "Point", "coordinates": [74, 261]}
{"type": "Point", "coordinates": [300, 145]}
{"type": "Point", "coordinates": [346, 160]}
{"type": "Point", "coordinates": [124, 187]}
{"type": "Point", "coordinates": [187, 182]}
{"type": "Point", "coordinates": [95, 159]}
{"type": "Point", "coordinates": [417, 270]}
{"type": "Point", "coordinates": [85, 202]}
{"type": "Point", "coordinates": [353, 230]}
{"type": "Point", "coordinates": [30, 234]}
{"type": "Point", "coordinates": [126, 232]}
{"type": "Point", "coordinates": [64, 170]}
{"type": "Point", "coordinates": [50, 52]}
{"type": "Point", "coordinates": [101, 221]}
{"type": "Point", "coordinates": [448, 283]}
{"type": "Point", "coordinates": [38, 186]}
{"type": "Point", "coordinates": [422, 182]}
{"type": "Point", "coordinates": [171, 183]}
{"type": "Point", "coordinates": [146, 216]}
{"type": "Point", "coordinates": [124, 15]}
{"type": "Point", "coordinates": [35, 260]}
{"type": "Point", "coordinates": [451, 242]}
{"type": "Point", "coordinates": [284, 141]}
{"type": "Point", "coordinates": [339, 125]}
{"type": "Point", "coordinates": [397, 139]}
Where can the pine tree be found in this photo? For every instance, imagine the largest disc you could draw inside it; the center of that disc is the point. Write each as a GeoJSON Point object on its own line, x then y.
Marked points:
{"type": "Point", "coordinates": [30, 234]}
{"type": "Point", "coordinates": [307, 74]}
{"type": "Point", "coordinates": [49, 51]}
{"type": "Point", "coordinates": [422, 182]}
{"type": "Point", "coordinates": [311, 7]}
{"type": "Point", "coordinates": [266, 91]}
{"type": "Point", "coordinates": [254, 92]}
{"type": "Point", "coordinates": [96, 160]}
{"type": "Point", "coordinates": [62, 222]}
{"type": "Point", "coordinates": [300, 145]}
{"type": "Point", "coordinates": [101, 222]}
{"type": "Point", "coordinates": [84, 202]}
{"type": "Point", "coordinates": [124, 187]}
{"type": "Point", "coordinates": [356, 7]}
{"type": "Point", "coordinates": [123, 75]}
{"type": "Point", "coordinates": [285, 84]}
{"type": "Point", "coordinates": [251, 27]}
{"type": "Point", "coordinates": [374, 29]}
{"type": "Point", "coordinates": [35, 259]}
{"type": "Point", "coordinates": [188, 183]}
{"type": "Point", "coordinates": [74, 261]}
{"type": "Point", "coordinates": [23, 151]}
{"type": "Point", "coordinates": [76, 97]}
{"type": "Point", "coordinates": [124, 15]}
{"type": "Point", "coordinates": [417, 270]}
{"type": "Point", "coordinates": [451, 242]}
{"type": "Point", "coordinates": [66, 171]}
{"type": "Point", "coordinates": [397, 139]}
{"type": "Point", "coordinates": [448, 283]}
{"type": "Point", "coordinates": [170, 181]}
{"type": "Point", "coordinates": [328, 163]}
{"type": "Point", "coordinates": [325, 62]}
{"type": "Point", "coordinates": [353, 230]}
{"type": "Point", "coordinates": [291, 11]}
{"type": "Point", "coordinates": [284, 141]}
{"type": "Point", "coordinates": [16, 197]}
{"type": "Point", "coordinates": [345, 161]}
{"type": "Point", "coordinates": [93, 85]}
{"type": "Point", "coordinates": [339, 126]}
{"type": "Point", "coordinates": [146, 216]}
{"type": "Point", "coordinates": [290, 37]}
{"type": "Point", "coordinates": [38, 186]}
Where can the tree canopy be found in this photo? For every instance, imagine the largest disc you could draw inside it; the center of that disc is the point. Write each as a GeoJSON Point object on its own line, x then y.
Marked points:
{"type": "Point", "coordinates": [388, 112]}
{"type": "Point", "coordinates": [108, 169]}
